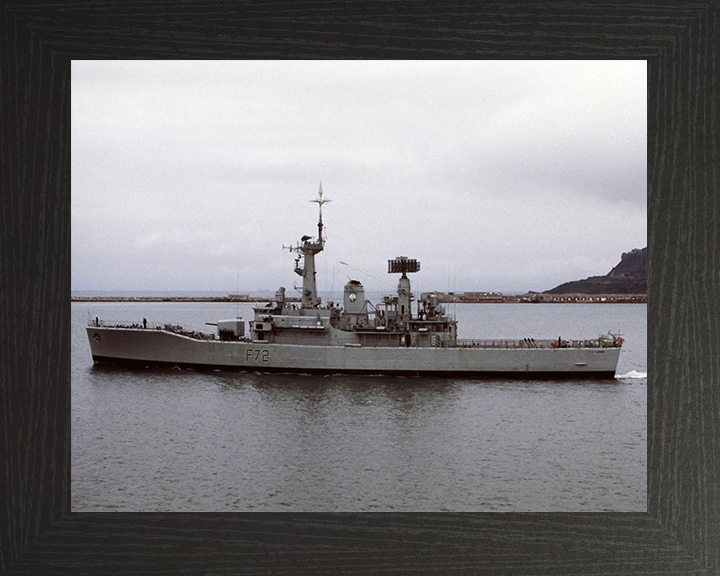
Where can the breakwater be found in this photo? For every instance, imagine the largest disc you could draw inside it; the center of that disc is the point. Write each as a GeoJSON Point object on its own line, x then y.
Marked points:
{"type": "Point", "coordinates": [535, 298]}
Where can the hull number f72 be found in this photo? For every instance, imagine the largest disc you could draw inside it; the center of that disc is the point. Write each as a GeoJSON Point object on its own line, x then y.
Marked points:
{"type": "Point", "coordinates": [252, 355]}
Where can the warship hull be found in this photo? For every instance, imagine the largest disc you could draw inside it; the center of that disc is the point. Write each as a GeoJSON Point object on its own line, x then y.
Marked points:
{"type": "Point", "coordinates": [152, 347]}
{"type": "Point", "coordinates": [355, 337]}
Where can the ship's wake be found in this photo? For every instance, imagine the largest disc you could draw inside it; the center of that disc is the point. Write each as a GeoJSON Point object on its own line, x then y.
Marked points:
{"type": "Point", "coordinates": [632, 374]}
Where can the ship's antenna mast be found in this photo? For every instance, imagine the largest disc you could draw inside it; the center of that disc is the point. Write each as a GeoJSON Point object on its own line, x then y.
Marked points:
{"type": "Point", "coordinates": [320, 201]}
{"type": "Point", "coordinates": [307, 251]}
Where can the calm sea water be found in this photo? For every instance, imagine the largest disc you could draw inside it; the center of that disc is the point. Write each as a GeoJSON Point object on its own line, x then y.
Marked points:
{"type": "Point", "coordinates": [177, 440]}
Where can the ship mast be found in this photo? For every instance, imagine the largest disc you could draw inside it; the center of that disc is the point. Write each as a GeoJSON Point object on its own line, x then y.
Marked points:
{"type": "Point", "coordinates": [403, 265]}
{"type": "Point", "coordinates": [307, 250]}
{"type": "Point", "coordinates": [320, 203]}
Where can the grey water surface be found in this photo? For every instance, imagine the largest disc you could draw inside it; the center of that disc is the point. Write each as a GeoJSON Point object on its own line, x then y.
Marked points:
{"type": "Point", "coordinates": [179, 440]}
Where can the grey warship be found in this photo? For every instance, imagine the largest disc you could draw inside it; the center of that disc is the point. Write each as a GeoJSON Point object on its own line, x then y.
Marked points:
{"type": "Point", "coordinates": [357, 337]}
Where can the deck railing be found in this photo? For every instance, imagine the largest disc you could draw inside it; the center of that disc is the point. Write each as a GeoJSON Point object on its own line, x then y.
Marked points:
{"type": "Point", "coordinates": [532, 343]}
{"type": "Point", "coordinates": [174, 328]}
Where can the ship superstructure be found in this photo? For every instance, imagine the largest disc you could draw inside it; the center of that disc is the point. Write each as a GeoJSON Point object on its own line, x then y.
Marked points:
{"type": "Point", "coordinates": [357, 336]}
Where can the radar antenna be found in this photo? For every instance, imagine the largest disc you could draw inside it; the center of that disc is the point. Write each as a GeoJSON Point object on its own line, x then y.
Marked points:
{"type": "Point", "coordinates": [320, 201]}
{"type": "Point", "coordinates": [404, 265]}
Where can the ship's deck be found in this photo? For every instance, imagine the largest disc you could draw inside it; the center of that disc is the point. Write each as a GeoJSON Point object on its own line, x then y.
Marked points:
{"type": "Point", "coordinates": [464, 343]}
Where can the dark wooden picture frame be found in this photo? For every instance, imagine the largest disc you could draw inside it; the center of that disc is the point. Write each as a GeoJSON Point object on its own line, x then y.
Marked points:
{"type": "Point", "coordinates": [680, 532]}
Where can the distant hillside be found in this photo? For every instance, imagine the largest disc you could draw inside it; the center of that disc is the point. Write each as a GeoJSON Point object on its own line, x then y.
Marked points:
{"type": "Point", "coordinates": [628, 277]}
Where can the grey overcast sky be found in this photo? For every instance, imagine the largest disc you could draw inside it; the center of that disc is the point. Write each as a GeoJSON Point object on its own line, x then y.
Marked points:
{"type": "Point", "coordinates": [496, 176]}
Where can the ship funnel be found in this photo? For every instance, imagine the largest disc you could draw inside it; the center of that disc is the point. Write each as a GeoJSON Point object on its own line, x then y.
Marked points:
{"type": "Point", "coordinates": [355, 303]}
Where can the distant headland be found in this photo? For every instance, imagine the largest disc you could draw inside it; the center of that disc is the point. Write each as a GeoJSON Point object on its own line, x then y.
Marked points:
{"type": "Point", "coordinates": [628, 277]}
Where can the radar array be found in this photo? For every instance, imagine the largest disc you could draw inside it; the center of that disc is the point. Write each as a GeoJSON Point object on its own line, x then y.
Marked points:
{"type": "Point", "coordinates": [403, 264]}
